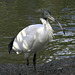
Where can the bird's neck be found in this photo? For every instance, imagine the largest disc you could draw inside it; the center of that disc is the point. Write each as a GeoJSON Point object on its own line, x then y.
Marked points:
{"type": "Point", "coordinates": [46, 24]}
{"type": "Point", "coordinates": [47, 29]}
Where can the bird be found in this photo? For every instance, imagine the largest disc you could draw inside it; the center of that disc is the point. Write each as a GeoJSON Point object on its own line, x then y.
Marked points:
{"type": "Point", "coordinates": [34, 38]}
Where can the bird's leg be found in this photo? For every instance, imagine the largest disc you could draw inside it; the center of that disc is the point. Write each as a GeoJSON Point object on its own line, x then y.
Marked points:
{"type": "Point", "coordinates": [34, 62]}
{"type": "Point", "coordinates": [27, 66]}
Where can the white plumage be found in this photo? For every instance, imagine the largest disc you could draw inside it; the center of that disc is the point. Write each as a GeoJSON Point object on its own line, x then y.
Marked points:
{"type": "Point", "coordinates": [33, 37]}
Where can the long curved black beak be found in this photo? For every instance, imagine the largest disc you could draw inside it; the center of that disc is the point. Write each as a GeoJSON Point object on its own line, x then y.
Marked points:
{"type": "Point", "coordinates": [54, 20]}
{"type": "Point", "coordinates": [61, 27]}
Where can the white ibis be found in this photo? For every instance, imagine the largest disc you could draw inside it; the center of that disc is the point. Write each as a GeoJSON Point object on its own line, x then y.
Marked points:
{"type": "Point", "coordinates": [34, 37]}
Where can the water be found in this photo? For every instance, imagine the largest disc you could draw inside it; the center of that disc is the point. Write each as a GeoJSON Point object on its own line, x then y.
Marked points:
{"type": "Point", "coordinates": [17, 14]}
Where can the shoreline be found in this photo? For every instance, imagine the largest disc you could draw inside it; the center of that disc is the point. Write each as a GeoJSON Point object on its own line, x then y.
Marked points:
{"type": "Point", "coordinates": [58, 67]}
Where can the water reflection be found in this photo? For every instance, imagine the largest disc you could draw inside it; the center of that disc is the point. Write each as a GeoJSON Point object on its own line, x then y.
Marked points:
{"type": "Point", "coordinates": [17, 14]}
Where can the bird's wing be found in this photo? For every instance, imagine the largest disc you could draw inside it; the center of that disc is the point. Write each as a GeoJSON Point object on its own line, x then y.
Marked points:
{"type": "Point", "coordinates": [32, 28]}
{"type": "Point", "coordinates": [25, 38]}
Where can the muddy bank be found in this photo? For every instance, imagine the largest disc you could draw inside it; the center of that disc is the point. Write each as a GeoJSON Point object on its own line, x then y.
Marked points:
{"type": "Point", "coordinates": [59, 67]}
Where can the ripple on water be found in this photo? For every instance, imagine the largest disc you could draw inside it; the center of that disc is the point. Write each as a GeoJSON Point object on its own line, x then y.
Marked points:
{"type": "Point", "coordinates": [1, 53]}
{"type": "Point", "coordinates": [66, 40]}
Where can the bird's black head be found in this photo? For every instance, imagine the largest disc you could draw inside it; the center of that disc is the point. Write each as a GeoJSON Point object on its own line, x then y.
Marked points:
{"type": "Point", "coordinates": [46, 14]}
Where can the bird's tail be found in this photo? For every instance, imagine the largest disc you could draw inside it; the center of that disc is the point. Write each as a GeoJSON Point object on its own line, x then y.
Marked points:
{"type": "Point", "coordinates": [10, 45]}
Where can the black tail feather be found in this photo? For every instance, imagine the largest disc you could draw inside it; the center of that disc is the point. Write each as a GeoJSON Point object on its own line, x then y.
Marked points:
{"type": "Point", "coordinates": [10, 45]}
